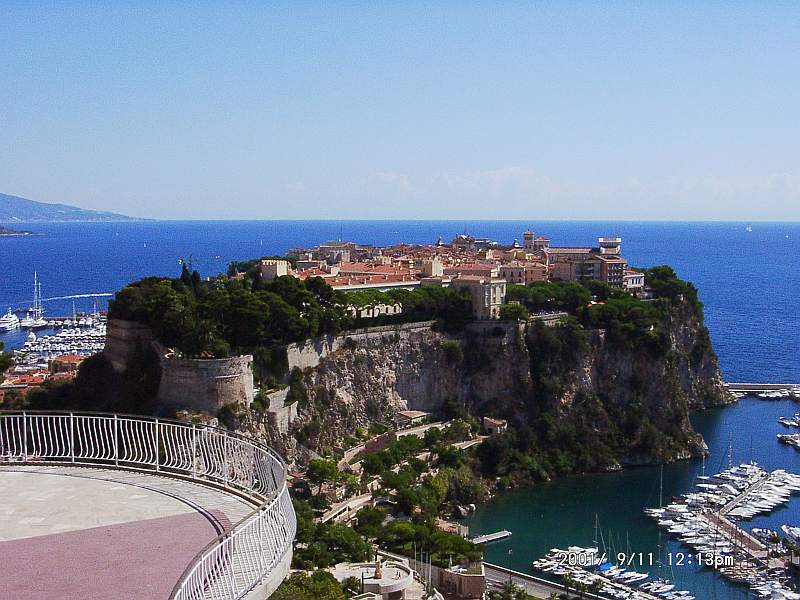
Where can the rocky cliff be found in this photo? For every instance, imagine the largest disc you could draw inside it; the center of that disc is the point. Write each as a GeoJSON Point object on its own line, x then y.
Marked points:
{"type": "Point", "coordinates": [625, 399]}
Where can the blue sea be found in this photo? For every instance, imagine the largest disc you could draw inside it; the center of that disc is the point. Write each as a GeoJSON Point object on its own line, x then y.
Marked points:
{"type": "Point", "coordinates": [749, 283]}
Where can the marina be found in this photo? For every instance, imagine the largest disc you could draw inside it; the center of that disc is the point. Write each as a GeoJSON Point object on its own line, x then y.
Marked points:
{"type": "Point", "coordinates": [707, 521]}
{"type": "Point", "coordinates": [77, 341]}
{"type": "Point", "coordinates": [590, 569]}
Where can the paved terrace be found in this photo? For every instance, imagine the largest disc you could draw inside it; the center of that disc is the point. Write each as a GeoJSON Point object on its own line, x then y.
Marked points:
{"type": "Point", "coordinates": [84, 533]}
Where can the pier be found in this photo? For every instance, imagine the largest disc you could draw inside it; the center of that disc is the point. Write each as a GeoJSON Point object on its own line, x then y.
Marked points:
{"type": "Point", "coordinates": [491, 537]}
{"type": "Point", "coordinates": [760, 388]}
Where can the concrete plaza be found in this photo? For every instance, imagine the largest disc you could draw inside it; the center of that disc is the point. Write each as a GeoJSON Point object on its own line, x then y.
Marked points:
{"type": "Point", "coordinates": [69, 533]}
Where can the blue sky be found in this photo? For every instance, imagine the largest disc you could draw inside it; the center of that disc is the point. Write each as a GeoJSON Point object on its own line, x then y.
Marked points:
{"type": "Point", "coordinates": [642, 110]}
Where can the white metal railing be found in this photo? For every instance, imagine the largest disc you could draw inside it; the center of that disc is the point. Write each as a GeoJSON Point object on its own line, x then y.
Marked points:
{"type": "Point", "coordinates": [255, 551]}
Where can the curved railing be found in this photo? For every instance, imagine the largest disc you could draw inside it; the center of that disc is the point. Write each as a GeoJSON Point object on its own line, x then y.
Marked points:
{"type": "Point", "coordinates": [256, 551]}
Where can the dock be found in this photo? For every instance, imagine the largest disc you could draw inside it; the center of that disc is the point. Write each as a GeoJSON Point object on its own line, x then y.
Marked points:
{"type": "Point", "coordinates": [760, 388]}
{"type": "Point", "coordinates": [491, 537]}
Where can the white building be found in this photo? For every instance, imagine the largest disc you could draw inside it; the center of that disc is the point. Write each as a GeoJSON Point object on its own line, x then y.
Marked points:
{"type": "Point", "coordinates": [272, 269]}
{"type": "Point", "coordinates": [487, 294]}
{"type": "Point", "coordinates": [633, 281]}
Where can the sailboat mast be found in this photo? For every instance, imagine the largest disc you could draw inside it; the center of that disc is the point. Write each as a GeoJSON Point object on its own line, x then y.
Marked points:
{"type": "Point", "coordinates": [660, 505]}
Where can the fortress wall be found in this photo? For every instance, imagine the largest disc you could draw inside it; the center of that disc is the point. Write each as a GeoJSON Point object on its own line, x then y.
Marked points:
{"type": "Point", "coordinates": [122, 338]}
{"type": "Point", "coordinates": [206, 384]}
{"type": "Point", "coordinates": [308, 354]}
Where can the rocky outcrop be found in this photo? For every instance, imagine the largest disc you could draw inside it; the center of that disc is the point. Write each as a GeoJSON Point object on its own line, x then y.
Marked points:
{"type": "Point", "coordinates": [563, 377]}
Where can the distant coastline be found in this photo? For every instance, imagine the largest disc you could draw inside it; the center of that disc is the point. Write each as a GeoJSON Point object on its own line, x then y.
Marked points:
{"type": "Point", "coordinates": [14, 209]}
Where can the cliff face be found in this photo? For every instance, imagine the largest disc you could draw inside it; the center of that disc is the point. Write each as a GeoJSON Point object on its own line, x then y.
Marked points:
{"type": "Point", "coordinates": [630, 401]}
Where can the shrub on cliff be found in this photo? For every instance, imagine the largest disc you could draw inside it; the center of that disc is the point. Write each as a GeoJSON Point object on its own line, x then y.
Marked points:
{"type": "Point", "coordinates": [451, 307]}
{"type": "Point", "coordinates": [665, 283]}
{"type": "Point", "coordinates": [550, 295]}
{"type": "Point", "coordinates": [453, 353]}
{"type": "Point", "coordinates": [6, 361]}
{"type": "Point", "coordinates": [319, 585]}
{"type": "Point", "coordinates": [514, 312]}
{"type": "Point", "coordinates": [223, 316]}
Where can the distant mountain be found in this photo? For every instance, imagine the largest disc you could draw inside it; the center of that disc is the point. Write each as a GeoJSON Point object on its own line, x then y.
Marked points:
{"type": "Point", "coordinates": [14, 209]}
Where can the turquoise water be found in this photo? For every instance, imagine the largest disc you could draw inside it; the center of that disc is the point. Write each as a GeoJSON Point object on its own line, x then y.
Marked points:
{"type": "Point", "coordinates": [562, 513]}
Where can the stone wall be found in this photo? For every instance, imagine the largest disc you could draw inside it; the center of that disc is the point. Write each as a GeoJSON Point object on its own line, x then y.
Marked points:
{"type": "Point", "coordinates": [280, 414]}
{"type": "Point", "coordinates": [122, 338]}
{"type": "Point", "coordinates": [206, 384]}
{"type": "Point", "coordinates": [308, 354]}
{"type": "Point", "coordinates": [194, 384]}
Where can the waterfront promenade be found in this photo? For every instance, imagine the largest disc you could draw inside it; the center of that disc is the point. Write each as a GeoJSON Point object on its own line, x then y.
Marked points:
{"type": "Point", "coordinates": [537, 587]}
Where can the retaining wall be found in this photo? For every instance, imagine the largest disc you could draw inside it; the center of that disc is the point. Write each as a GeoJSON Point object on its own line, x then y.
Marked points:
{"type": "Point", "coordinates": [308, 354]}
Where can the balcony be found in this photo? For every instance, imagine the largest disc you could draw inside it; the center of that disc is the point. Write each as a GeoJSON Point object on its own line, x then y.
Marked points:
{"type": "Point", "coordinates": [100, 506]}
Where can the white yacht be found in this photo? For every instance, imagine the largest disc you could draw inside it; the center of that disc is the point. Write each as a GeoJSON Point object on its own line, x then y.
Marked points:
{"type": "Point", "coordinates": [9, 321]}
{"type": "Point", "coordinates": [792, 533]}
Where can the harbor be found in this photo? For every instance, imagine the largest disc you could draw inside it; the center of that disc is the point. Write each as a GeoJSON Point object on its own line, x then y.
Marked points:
{"type": "Point", "coordinates": [707, 518]}
{"type": "Point", "coordinates": [589, 569]}
{"type": "Point", "coordinates": [765, 391]}
{"type": "Point", "coordinates": [48, 348]}
{"type": "Point", "coordinates": [557, 515]}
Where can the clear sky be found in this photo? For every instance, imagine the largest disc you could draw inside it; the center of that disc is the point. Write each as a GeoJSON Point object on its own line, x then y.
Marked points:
{"type": "Point", "coordinates": [575, 110]}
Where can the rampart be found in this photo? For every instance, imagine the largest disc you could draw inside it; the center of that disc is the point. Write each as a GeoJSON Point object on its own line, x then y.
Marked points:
{"type": "Point", "coordinates": [206, 384]}
{"type": "Point", "coordinates": [308, 354]}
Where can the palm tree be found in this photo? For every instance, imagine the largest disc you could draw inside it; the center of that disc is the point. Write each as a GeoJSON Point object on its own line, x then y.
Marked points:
{"type": "Point", "coordinates": [582, 589]}
{"type": "Point", "coordinates": [509, 590]}
{"type": "Point", "coordinates": [568, 582]}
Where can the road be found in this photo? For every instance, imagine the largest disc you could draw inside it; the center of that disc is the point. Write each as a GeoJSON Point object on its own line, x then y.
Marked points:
{"type": "Point", "coordinates": [496, 576]}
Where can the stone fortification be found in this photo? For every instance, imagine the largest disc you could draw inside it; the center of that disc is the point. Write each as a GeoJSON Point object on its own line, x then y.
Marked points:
{"type": "Point", "coordinates": [194, 384]}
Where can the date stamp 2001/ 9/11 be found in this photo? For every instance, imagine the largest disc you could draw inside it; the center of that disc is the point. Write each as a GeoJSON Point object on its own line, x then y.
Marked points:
{"type": "Point", "coordinates": [644, 559]}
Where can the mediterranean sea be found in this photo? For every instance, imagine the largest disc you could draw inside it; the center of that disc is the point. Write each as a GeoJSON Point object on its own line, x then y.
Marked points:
{"type": "Point", "coordinates": [749, 283]}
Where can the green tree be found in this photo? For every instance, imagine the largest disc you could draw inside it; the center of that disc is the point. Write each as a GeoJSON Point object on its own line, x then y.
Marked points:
{"type": "Point", "coordinates": [320, 585]}
{"type": "Point", "coordinates": [351, 586]}
{"type": "Point", "coordinates": [369, 520]}
{"type": "Point", "coordinates": [321, 471]}
{"type": "Point", "coordinates": [305, 521]}
{"type": "Point", "coordinates": [5, 361]}
{"type": "Point", "coordinates": [514, 312]}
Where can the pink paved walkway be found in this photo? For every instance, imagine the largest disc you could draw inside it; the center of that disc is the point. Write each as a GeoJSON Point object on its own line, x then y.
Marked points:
{"type": "Point", "coordinates": [136, 560]}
